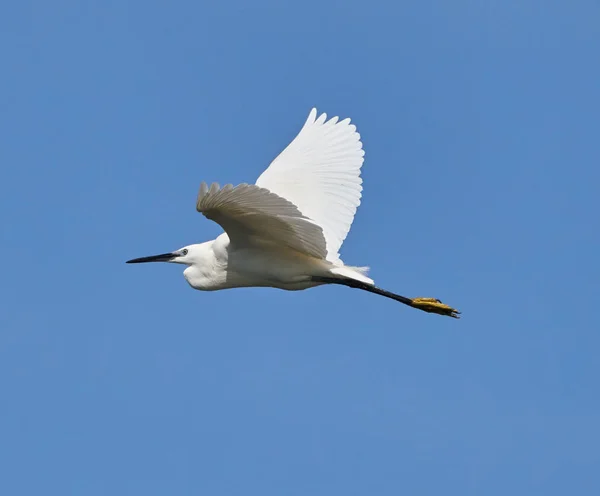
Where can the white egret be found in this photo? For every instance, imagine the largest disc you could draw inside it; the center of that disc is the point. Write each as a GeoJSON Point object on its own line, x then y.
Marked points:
{"type": "Point", "coordinates": [286, 230]}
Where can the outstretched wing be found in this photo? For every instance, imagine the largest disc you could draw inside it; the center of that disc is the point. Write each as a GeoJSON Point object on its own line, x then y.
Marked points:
{"type": "Point", "coordinates": [319, 172]}
{"type": "Point", "coordinates": [250, 215]}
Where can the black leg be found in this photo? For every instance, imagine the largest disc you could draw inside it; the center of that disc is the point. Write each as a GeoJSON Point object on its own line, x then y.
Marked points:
{"type": "Point", "coordinates": [431, 305]}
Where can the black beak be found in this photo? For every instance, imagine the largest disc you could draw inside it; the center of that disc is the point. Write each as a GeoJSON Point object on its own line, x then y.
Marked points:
{"type": "Point", "coordinates": [165, 257]}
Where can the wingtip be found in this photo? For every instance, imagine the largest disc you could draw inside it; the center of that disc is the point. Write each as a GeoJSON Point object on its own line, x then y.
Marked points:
{"type": "Point", "coordinates": [203, 190]}
{"type": "Point", "coordinates": [312, 116]}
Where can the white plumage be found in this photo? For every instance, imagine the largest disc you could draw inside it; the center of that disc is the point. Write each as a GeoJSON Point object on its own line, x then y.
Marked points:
{"type": "Point", "coordinates": [251, 215]}
{"type": "Point", "coordinates": [319, 172]}
{"type": "Point", "coordinates": [286, 231]}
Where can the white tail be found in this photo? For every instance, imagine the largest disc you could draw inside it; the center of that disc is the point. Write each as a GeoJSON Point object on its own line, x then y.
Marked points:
{"type": "Point", "coordinates": [356, 273]}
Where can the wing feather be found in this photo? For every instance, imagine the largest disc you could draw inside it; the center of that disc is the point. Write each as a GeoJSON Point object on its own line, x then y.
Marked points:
{"type": "Point", "coordinates": [319, 172]}
{"type": "Point", "coordinates": [251, 214]}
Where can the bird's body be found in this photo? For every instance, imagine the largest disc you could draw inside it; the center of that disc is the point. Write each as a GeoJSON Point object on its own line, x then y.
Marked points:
{"type": "Point", "coordinates": [222, 265]}
{"type": "Point", "coordinates": [286, 230]}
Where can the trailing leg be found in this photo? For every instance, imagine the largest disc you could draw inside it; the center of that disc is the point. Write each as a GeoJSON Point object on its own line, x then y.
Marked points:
{"type": "Point", "coordinates": [430, 305]}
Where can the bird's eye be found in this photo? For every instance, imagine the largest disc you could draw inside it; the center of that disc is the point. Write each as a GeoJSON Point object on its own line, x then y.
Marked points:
{"type": "Point", "coordinates": [184, 252]}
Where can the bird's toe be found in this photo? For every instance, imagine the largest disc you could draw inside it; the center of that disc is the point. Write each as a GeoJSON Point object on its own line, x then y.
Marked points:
{"type": "Point", "coordinates": [433, 305]}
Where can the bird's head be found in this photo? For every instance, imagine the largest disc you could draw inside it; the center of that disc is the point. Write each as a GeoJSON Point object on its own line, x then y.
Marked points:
{"type": "Point", "coordinates": [186, 255]}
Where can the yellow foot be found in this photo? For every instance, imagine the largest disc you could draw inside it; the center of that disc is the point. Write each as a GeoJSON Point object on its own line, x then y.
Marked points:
{"type": "Point", "coordinates": [433, 305]}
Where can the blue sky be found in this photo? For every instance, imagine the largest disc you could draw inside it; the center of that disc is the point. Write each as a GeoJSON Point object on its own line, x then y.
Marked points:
{"type": "Point", "coordinates": [480, 125]}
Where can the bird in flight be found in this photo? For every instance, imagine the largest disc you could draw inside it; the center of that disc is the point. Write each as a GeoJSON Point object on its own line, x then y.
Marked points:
{"type": "Point", "coordinates": [286, 230]}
